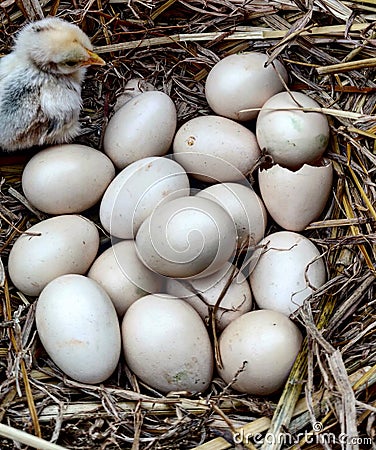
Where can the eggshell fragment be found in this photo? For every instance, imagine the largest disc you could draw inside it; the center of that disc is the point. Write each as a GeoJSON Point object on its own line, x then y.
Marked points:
{"type": "Point", "coordinates": [215, 149]}
{"type": "Point", "coordinates": [53, 247]}
{"type": "Point", "coordinates": [291, 136]}
{"type": "Point", "coordinates": [123, 276]}
{"type": "Point", "coordinates": [144, 126]}
{"type": "Point", "coordinates": [244, 206]}
{"type": "Point", "coordinates": [234, 296]}
{"type": "Point", "coordinates": [295, 198]}
{"type": "Point", "coordinates": [135, 192]}
{"type": "Point", "coordinates": [288, 271]}
{"type": "Point", "coordinates": [167, 345]}
{"type": "Point", "coordinates": [67, 178]}
{"type": "Point", "coordinates": [266, 343]}
{"type": "Point", "coordinates": [78, 326]}
{"type": "Point", "coordinates": [240, 82]}
{"type": "Point", "coordinates": [186, 237]}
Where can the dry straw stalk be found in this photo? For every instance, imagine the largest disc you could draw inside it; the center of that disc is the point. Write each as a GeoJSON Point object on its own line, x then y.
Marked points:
{"type": "Point", "coordinates": [328, 47]}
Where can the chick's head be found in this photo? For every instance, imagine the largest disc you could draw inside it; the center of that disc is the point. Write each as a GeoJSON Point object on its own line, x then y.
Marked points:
{"type": "Point", "coordinates": [56, 46]}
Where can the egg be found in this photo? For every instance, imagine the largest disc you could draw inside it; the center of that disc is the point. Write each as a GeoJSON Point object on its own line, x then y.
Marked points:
{"type": "Point", "coordinates": [265, 343]}
{"type": "Point", "coordinates": [66, 179]}
{"type": "Point", "coordinates": [242, 81]}
{"type": "Point", "coordinates": [123, 276]}
{"type": "Point", "coordinates": [166, 344]}
{"type": "Point", "coordinates": [287, 273]}
{"type": "Point", "coordinates": [134, 87]}
{"type": "Point", "coordinates": [215, 149]}
{"type": "Point", "coordinates": [186, 237]}
{"type": "Point", "coordinates": [227, 286]}
{"type": "Point", "coordinates": [53, 247]}
{"type": "Point", "coordinates": [291, 136]}
{"type": "Point", "coordinates": [244, 206]}
{"type": "Point", "coordinates": [144, 126]}
{"type": "Point", "coordinates": [78, 327]}
{"type": "Point", "coordinates": [295, 198]}
{"type": "Point", "coordinates": [134, 193]}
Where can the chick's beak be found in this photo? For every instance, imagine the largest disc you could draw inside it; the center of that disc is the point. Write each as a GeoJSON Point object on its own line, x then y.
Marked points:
{"type": "Point", "coordinates": [93, 60]}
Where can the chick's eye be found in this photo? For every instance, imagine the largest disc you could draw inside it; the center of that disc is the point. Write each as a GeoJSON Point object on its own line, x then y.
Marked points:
{"type": "Point", "coordinates": [70, 63]}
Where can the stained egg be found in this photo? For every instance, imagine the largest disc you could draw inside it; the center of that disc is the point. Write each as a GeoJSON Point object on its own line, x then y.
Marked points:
{"type": "Point", "coordinates": [215, 149]}
{"type": "Point", "coordinates": [166, 344]}
{"type": "Point", "coordinates": [291, 135]}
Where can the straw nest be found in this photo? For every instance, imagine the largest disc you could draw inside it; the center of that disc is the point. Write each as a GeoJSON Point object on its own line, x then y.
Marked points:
{"type": "Point", "coordinates": [329, 48]}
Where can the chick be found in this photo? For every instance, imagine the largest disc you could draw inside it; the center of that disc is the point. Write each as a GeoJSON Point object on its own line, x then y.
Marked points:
{"type": "Point", "coordinates": [40, 84]}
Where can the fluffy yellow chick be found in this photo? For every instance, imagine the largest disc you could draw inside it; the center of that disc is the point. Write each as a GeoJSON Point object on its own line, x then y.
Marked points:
{"type": "Point", "coordinates": [40, 84]}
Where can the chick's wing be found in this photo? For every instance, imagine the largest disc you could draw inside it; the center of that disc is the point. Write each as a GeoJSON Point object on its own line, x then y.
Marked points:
{"type": "Point", "coordinates": [61, 104]}
{"type": "Point", "coordinates": [20, 112]}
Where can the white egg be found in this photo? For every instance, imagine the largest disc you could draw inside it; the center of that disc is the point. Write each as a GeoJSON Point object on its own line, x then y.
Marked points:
{"type": "Point", "coordinates": [244, 206]}
{"type": "Point", "coordinates": [78, 327]}
{"type": "Point", "coordinates": [291, 136]}
{"type": "Point", "coordinates": [134, 87]}
{"type": "Point", "coordinates": [186, 237]}
{"type": "Point", "coordinates": [295, 198]}
{"type": "Point", "coordinates": [66, 178]}
{"type": "Point", "coordinates": [287, 272]}
{"type": "Point", "coordinates": [53, 247]}
{"type": "Point", "coordinates": [134, 193]}
{"type": "Point", "coordinates": [144, 126]}
{"type": "Point", "coordinates": [215, 149]}
{"type": "Point", "coordinates": [123, 276]}
{"type": "Point", "coordinates": [240, 82]}
{"type": "Point", "coordinates": [263, 343]}
{"type": "Point", "coordinates": [226, 286]}
{"type": "Point", "coordinates": [166, 344]}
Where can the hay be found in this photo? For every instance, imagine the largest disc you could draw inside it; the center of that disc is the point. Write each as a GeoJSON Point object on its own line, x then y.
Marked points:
{"type": "Point", "coordinates": [329, 48]}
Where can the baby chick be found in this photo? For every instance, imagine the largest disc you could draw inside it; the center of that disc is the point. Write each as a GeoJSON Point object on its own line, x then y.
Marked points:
{"type": "Point", "coordinates": [40, 84]}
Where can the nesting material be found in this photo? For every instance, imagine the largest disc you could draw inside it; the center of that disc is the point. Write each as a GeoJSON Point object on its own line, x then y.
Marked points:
{"type": "Point", "coordinates": [328, 50]}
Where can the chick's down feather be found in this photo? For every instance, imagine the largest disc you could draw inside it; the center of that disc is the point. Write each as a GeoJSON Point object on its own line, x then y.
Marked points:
{"type": "Point", "coordinates": [40, 85]}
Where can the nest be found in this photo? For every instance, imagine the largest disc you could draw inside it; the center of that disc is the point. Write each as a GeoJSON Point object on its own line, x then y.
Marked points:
{"type": "Point", "coordinates": [329, 400]}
